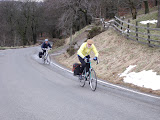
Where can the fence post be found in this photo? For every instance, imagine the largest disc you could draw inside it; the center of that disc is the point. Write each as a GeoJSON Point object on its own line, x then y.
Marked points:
{"type": "Point", "coordinates": [103, 23]}
{"type": "Point", "coordinates": [70, 37]}
{"type": "Point", "coordinates": [137, 30]}
{"type": "Point", "coordinates": [128, 29]}
{"type": "Point", "coordinates": [122, 26]}
{"type": "Point", "coordinates": [148, 31]}
{"type": "Point", "coordinates": [115, 22]}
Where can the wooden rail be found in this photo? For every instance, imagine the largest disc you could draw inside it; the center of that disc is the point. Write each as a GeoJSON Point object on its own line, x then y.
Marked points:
{"type": "Point", "coordinates": [137, 33]}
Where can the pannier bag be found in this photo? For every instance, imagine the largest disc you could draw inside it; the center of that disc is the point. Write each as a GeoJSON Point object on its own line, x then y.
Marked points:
{"type": "Point", "coordinates": [40, 54]}
{"type": "Point", "coordinates": [76, 68]}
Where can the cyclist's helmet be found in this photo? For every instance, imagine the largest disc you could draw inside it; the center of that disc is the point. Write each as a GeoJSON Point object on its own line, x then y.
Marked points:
{"type": "Point", "coordinates": [89, 41]}
{"type": "Point", "coordinates": [46, 40]}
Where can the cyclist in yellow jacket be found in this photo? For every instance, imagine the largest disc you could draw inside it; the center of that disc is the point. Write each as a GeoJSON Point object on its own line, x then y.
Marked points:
{"type": "Point", "coordinates": [84, 54]}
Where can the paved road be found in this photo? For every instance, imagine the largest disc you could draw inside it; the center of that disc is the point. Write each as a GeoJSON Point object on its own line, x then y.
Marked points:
{"type": "Point", "coordinates": [30, 90]}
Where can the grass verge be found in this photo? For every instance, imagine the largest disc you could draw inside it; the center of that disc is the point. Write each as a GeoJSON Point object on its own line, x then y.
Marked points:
{"type": "Point", "coordinates": [115, 55]}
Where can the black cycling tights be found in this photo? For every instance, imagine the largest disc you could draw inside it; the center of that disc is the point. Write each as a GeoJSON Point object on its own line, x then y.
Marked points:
{"type": "Point", "coordinates": [84, 64]}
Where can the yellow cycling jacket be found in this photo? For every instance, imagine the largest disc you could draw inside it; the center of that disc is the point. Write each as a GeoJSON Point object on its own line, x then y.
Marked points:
{"type": "Point", "coordinates": [84, 50]}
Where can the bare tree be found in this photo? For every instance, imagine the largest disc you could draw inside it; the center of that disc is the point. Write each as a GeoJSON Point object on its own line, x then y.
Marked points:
{"type": "Point", "coordinates": [146, 6]}
{"type": "Point", "coordinates": [75, 14]}
{"type": "Point", "coordinates": [35, 20]}
{"type": "Point", "coordinates": [22, 22]}
{"type": "Point", "coordinates": [132, 5]}
{"type": "Point", "coordinates": [156, 2]}
{"type": "Point", "coordinates": [28, 21]}
{"type": "Point", "coordinates": [158, 23]}
{"type": "Point", "coordinates": [8, 19]}
{"type": "Point", "coordinates": [112, 8]}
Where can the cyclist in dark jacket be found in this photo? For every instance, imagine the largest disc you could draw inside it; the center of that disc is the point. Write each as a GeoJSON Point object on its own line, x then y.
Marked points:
{"type": "Point", "coordinates": [45, 44]}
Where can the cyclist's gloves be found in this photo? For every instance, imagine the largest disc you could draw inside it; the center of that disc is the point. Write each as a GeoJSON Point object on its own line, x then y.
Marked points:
{"type": "Point", "coordinates": [85, 58]}
{"type": "Point", "coordinates": [95, 58]}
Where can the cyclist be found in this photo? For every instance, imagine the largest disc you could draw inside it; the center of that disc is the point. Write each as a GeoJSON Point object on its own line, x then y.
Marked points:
{"type": "Point", "coordinates": [84, 54]}
{"type": "Point", "coordinates": [45, 44]}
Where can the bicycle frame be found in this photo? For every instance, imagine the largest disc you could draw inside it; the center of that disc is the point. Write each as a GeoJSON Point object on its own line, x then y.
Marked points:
{"type": "Point", "coordinates": [88, 76]}
{"type": "Point", "coordinates": [90, 66]}
{"type": "Point", "coordinates": [85, 72]}
{"type": "Point", "coordinates": [46, 55]}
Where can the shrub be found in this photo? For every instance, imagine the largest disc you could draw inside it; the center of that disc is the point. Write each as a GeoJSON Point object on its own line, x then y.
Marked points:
{"type": "Point", "coordinates": [71, 50]}
{"type": "Point", "coordinates": [58, 42]}
{"type": "Point", "coordinates": [1, 48]}
{"type": "Point", "coordinates": [93, 32]}
{"type": "Point", "coordinates": [74, 43]}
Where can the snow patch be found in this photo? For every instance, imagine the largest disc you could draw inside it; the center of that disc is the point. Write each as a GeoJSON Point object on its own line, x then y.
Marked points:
{"type": "Point", "coordinates": [149, 21]}
{"type": "Point", "coordinates": [147, 79]}
{"type": "Point", "coordinates": [127, 70]}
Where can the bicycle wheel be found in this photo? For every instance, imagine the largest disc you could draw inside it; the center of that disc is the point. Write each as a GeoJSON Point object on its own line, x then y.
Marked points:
{"type": "Point", "coordinates": [93, 80]}
{"type": "Point", "coordinates": [82, 81]}
{"type": "Point", "coordinates": [48, 59]}
{"type": "Point", "coordinates": [44, 58]}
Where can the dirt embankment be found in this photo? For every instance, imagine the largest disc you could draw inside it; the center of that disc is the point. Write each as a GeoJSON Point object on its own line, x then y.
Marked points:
{"type": "Point", "coordinates": [117, 53]}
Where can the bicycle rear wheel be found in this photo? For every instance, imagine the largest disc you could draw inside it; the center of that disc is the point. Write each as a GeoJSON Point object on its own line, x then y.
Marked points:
{"type": "Point", "coordinates": [93, 80]}
{"type": "Point", "coordinates": [44, 59]}
{"type": "Point", "coordinates": [82, 81]}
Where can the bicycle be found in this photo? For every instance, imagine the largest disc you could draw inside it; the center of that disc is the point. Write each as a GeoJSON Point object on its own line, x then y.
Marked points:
{"type": "Point", "coordinates": [46, 57]}
{"type": "Point", "coordinates": [89, 76]}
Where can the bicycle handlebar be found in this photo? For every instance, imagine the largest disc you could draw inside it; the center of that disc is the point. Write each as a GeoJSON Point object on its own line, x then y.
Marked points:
{"type": "Point", "coordinates": [46, 48]}
{"type": "Point", "coordinates": [90, 59]}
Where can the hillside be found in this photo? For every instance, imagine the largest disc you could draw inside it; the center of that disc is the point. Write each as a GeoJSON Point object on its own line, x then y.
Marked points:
{"type": "Point", "coordinates": [116, 54]}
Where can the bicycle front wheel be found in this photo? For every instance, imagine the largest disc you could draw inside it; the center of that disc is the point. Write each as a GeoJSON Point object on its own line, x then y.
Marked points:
{"type": "Point", "coordinates": [48, 59]}
{"type": "Point", "coordinates": [43, 59]}
{"type": "Point", "coordinates": [93, 80]}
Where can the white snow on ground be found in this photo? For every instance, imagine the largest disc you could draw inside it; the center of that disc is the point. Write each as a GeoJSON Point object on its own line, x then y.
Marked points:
{"type": "Point", "coordinates": [127, 70]}
{"type": "Point", "coordinates": [149, 21]}
{"type": "Point", "coordinates": [147, 79]}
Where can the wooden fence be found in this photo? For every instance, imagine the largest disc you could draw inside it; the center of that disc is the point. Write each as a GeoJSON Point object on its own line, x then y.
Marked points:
{"type": "Point", "coordinates": [141, 34]}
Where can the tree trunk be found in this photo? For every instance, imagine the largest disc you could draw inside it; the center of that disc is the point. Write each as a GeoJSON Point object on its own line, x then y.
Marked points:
{"type": "Point", "coordinates": [34, 34]}
{"type": "Point", "coordinates": [158, 23]}
{"type": "Point", "coordinates": [15, 39]}
{"type": "Point", "coordinates": [133, 9]}
{"type": "Point", "coordinates": [24, 38]}
{"type": "Point", "coordinates": [4, 40]}
{"type": "Point", "coordinates": [85, 15]}
{"type": "Point", "coordinates": [146, 6]}
{"type": "Point", "coordinates": [156, 2]}
{"type": "Point", "coordinates": [134, 13]}
{"type": "Point", "coordinates": [86, 18]}
{"type": "Point", "coordinates": [34, 38]}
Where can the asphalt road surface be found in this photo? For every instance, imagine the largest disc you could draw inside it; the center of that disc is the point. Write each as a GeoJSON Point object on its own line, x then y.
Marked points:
{"type": "Point", "coordinates": [30, 90]}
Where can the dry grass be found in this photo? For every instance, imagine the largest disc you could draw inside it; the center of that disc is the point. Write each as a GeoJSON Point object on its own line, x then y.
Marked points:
{"type": "Point", "coordinates": [76, 34]}
{"type": "Point", "coordinates": [117, 53]}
